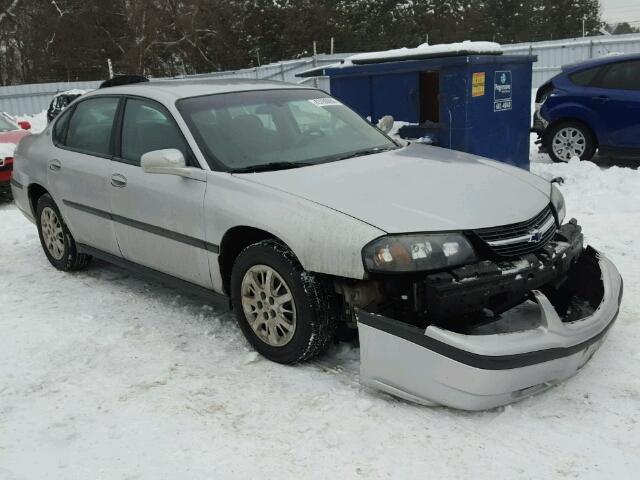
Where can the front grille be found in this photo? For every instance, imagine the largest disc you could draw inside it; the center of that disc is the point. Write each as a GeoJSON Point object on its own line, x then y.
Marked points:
{"type": "Point", "coordinates": [520, 238]}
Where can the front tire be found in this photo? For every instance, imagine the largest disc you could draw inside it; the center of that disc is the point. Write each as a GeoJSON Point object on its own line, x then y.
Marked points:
{"type": "Point", "coordinates": [568, 139]}
{"type": "Point", "coordinates": [56, 239]}
{"type": "Point", "coordinates": [287, 314]}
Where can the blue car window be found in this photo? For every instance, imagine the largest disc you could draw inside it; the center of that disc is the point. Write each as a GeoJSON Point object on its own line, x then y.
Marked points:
{"type": "Point", "coordinates": [622, 76]}
{"type": "Point", "coordinates": [584, 78]}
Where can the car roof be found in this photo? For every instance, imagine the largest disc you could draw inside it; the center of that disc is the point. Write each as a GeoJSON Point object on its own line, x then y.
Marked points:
{"type": "Point", "coordinates": [594, 62]}
{"type": "Point", "coordinates": [171, 90]}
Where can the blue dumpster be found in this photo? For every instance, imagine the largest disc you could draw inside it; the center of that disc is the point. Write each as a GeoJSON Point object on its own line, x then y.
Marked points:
{"type": "Point", "coordinates": [479, 104]}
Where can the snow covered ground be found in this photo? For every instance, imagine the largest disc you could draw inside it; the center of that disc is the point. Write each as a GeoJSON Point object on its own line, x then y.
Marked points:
{"type": "Point", "coordinates": [105, 376]}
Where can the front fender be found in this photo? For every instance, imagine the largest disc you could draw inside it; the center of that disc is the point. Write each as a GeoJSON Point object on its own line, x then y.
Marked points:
{"type": "Point", "coordinates": [323, 240]}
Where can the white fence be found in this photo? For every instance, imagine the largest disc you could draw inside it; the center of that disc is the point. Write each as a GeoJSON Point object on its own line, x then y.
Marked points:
{"type": "Point", "coordinates": [29, 99]}
{"type": "Point", "coordinates": [34, 98]}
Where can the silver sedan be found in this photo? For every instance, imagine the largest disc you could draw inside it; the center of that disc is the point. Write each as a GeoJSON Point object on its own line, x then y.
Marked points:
{"type": "Point", "coordinates": [459, 274]}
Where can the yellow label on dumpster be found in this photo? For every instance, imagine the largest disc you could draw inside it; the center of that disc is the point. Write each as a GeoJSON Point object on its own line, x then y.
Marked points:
{"type": "Point", "coordinates": [477, 84]}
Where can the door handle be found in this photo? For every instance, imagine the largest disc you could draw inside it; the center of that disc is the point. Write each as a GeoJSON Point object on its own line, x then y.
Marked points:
{"type": "Point", "coordinates": [55, 165]}
{"type": "Point", "coordinates": [118, 180]}
{"type": "Point", "coordinates": [601, 98]}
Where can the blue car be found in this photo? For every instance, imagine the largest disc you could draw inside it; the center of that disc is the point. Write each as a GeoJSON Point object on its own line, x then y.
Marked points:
{"type": "Point", "coordinates": [592, 105]}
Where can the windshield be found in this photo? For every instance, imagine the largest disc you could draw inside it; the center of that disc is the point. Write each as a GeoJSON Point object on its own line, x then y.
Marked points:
{"type": "Point", "coordinates": [6, 125]}
{"type": "Point", "coordinates": [283, 128]}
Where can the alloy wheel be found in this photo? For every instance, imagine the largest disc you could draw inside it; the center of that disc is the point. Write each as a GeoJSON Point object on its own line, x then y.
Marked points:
{"type": "Point", "coordinates": [268, 305]}
{"type": "Point", "coordinates": [569, 142]}
{"type": "Point", "coordinates": [52, 232]}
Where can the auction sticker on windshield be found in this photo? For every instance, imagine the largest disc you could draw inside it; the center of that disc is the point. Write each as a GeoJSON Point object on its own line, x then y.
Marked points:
{"type": "Point", "coordinates": [325, 102]}
{"type": "Point", "coordinates": [502, 90]}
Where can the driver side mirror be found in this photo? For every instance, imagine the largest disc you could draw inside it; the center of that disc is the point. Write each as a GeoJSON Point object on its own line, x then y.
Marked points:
{"type": "Point", "coordinates": [24, 125]}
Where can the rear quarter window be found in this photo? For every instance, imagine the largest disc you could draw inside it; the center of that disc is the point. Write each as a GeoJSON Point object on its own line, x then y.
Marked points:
{"type": "Point", "coordinates": [60, 128]}
{"type": "Point", "coordinates": [584, 78]}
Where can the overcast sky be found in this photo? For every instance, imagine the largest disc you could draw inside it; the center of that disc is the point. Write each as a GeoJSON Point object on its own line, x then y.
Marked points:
{"type": "Point", "coordinates": [614, 11]}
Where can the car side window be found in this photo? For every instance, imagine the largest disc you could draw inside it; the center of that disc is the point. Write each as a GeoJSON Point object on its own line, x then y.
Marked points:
{"type": "Point", "coordinates": [622, 76]}
{"type": "Point", "coordinates": [60, 128]}
{"type": "Point", "coordinates": [147, 127]}
{"type": "Point", "coordinates": [91, 125]}
{"type": "Point", "coordinates": [584, 77]}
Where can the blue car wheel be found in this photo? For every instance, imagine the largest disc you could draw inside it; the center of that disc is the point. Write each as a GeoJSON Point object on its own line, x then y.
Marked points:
{"type": "Point", "coordinates": [566, 140]}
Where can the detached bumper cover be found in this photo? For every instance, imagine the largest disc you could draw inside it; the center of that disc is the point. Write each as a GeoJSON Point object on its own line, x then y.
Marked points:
{"type": "Point", "coordinates": [476, 372]}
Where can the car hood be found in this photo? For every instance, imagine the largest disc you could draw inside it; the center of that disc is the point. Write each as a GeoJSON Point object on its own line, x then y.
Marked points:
{"type": "Point", "coordinates": [417, 188]}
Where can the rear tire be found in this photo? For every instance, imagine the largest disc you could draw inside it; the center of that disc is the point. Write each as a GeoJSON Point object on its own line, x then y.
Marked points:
{"type": "Point", "coordinates": [568, 139]}
{"type": "Point", "coordinates": [287, 314]}
{"type": "Point", "coordinates": [56, 239]}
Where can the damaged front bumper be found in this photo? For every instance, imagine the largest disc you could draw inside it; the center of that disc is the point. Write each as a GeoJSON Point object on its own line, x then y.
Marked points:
{"type": "Point", "coordinates": [494, 365]}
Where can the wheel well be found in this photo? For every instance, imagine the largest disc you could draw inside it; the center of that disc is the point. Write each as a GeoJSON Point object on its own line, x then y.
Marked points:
{"type": "Point", "coordinates": [234, 241]}
{"type": "Point", "coordinates": [575, 120]}
{"type": "Point", "coordinates": [35, 192]}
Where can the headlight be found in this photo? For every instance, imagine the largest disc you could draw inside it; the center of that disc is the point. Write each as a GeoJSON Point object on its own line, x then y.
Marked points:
{"type": "Point", "coordinates": [557, 200]}
{"type": "Point", "coordinates": [418, 252]}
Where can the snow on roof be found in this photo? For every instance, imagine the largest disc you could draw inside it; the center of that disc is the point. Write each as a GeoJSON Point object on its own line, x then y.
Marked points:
{"type": "Point", "coordinates": [425, 51]}
{"type": "Point", "coordinates": [74, 91]}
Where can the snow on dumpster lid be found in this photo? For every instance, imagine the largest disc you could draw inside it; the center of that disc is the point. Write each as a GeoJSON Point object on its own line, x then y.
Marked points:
{"type": "Point", "coordinates": [425, 51]}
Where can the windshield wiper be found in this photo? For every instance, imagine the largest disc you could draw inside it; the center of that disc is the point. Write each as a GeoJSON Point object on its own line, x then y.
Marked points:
{"type": "Point", "coordinates": [368, 151]}
{"type": "Point", "coordinates": [266, 167]}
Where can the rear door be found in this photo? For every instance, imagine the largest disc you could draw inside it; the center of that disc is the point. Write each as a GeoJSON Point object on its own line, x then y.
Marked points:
{"type": "Point", "coordinates": [618, 103]}
{"type": "Point", "coordinates": [581, 99]}
{"type": "Point", "coordinates": [79, 168]}
{"type": "Point", "coordinates": [158, 218]}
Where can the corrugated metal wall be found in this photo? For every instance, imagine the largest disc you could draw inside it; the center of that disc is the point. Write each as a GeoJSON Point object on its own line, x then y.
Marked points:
{"type": "Point", "coordinates": [553, 54]}
{"type": "Point", "coordinates": [30, 99]}
{"type": "Point", "coordinates": [34, 98]}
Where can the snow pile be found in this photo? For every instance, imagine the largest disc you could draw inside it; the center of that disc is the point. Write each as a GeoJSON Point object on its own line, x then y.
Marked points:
{"type": "Point", "coordinates": [590, 189]}
{"type": "Point", "coordinates": [38, 121]}
{"type": "Point", "coordinates": [425, 50]}
{"type": "Point", "coordinates": [395, 134]}
{"type": "Point", "coordinates": [7, 149]}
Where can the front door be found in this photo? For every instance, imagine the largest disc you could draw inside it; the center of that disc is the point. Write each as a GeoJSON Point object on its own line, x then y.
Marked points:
{"type": "Point", "coordinates": [158, 219]}
{"type": "Point", "coordinates": [79, 169]}
{"type": "Point", "coordinates": [617, 101]}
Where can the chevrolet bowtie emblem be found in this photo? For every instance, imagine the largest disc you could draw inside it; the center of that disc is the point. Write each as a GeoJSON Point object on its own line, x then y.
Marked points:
{"type": "Point", "coordinates": [535, 236]}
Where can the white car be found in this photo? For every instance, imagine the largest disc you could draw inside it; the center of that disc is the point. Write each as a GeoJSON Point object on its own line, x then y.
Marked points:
{"type": "Point", "coordinates": [464, 284]}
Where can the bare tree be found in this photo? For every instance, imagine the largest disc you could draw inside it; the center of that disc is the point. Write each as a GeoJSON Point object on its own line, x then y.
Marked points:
{"type": "Point", "coordinates": [8, 12]}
